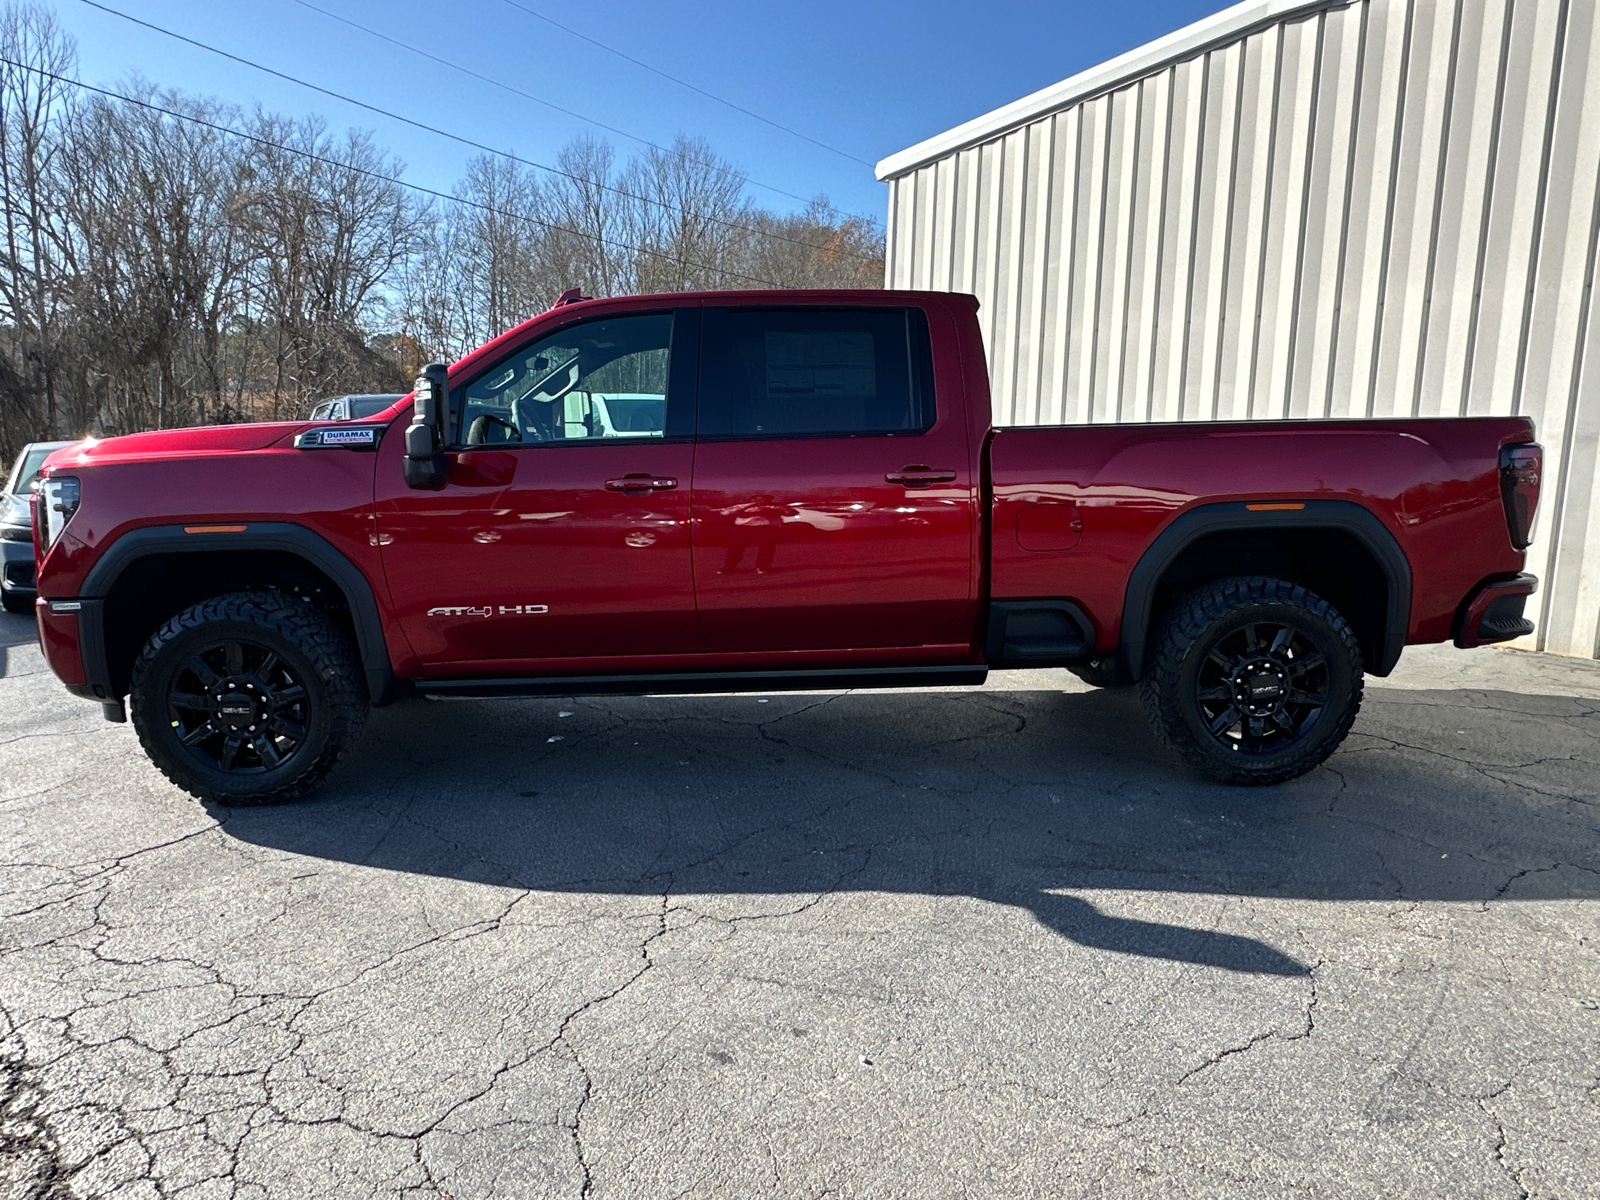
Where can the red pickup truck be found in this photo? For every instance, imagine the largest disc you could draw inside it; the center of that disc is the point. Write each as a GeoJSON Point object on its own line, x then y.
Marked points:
{"type": "Point", "coordinates": [760, 491]}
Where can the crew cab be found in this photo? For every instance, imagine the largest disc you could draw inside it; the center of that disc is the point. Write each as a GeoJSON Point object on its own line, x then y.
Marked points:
{"type": "Point", "coordinates": [729, 491]}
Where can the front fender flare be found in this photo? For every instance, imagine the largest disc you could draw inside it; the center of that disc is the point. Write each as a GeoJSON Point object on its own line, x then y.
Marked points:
{"type": "Point", "coordinates": [256, 535]}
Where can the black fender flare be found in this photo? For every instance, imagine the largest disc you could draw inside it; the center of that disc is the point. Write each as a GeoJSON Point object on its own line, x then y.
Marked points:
{"type": "Point", "coordinates": [255, 535]}
{"type": "Point", "coordinates": [1344, 515]}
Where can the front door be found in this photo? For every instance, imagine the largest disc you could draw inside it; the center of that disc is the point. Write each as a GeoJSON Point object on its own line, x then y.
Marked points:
{"type": "Point", "coordinates": [833, 502]}
{"type": "Point", "coordinates": [563, 532]}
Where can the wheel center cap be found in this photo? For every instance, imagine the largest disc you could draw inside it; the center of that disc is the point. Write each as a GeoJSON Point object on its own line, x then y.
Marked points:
{"type": "Point", "coordinates": [1260, 688]}
{"type": "Point", "coordinates": [238, 707]}
{"type": "Point", "coordinates": [1263, 687]}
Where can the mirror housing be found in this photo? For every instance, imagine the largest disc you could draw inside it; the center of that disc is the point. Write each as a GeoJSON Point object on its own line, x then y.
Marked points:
{"type": "Point", "coordinates": [429, 432]}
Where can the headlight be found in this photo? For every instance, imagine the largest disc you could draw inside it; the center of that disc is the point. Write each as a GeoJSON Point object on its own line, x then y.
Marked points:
{"type": "Point", "coordinates": [59, 499]}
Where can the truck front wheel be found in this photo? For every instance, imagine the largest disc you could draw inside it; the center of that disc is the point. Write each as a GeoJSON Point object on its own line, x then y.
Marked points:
{"type": "Point", "coordinates": [248, 698]}
{"type": "Point", "coordinates": [1253, 680]}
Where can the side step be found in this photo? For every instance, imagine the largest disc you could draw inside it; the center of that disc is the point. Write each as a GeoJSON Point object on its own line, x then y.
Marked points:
{"type": "Point", "coordinates": [1038, 633]}
{"type": "Point", "coordinates": [728, 681]}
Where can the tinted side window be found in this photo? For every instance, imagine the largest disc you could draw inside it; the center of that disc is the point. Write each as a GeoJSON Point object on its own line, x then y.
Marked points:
{"type": "Point", "coordinates": [598, 379]}
{"type": "Point", "coordinates": [817, 372]}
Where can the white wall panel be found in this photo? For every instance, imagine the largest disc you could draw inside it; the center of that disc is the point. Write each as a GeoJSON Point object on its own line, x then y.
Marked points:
{"type": "Point", "coordinates": [1299, 209]}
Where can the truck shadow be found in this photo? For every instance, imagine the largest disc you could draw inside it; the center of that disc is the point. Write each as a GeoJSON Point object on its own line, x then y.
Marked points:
{"type": "Point", "coordinates": [1023, 798]}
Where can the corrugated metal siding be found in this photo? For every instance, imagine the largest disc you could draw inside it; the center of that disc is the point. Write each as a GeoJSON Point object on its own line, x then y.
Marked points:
{"type": "Point", "coordinates": [1390, 208]}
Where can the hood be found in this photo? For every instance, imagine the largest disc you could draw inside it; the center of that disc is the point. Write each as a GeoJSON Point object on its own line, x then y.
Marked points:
{"type": "Point", "coordinates": [173, 443]}
{"type": "Point", "coordinates": [15, 510]}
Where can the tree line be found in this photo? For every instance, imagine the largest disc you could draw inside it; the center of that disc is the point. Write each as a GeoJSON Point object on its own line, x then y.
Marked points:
{"type": "Point", "coordinates": [167, 259]}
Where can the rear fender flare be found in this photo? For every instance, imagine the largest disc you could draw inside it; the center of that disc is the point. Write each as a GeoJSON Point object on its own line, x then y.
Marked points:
{"type": "Point", "coordinates": [1343, 515]}
{"type": "Point", "coordinates": [257, 535]}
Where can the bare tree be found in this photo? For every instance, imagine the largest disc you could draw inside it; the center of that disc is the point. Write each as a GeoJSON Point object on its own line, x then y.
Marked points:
{"type": "Point", "coordinates": [685, 212]}
{"type": "Point", "coordinates": [813, 249]}
{"type": "Point", "coordinates": [327, 227]}
{"type": "Point", "coordinates": [156, 265]}
{"type": "Point", "coordinates": [33, 103]}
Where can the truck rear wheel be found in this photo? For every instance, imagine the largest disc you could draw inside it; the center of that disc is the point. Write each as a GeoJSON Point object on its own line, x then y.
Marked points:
{"type": "Point", "coordinates": [1253, 680]}
{"type": "Point", "coordinates": [248, 698]}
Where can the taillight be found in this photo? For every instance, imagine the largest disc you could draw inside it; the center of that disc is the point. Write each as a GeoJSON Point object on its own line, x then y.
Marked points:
{"type": "Point", "coordinates": [1519, 489]}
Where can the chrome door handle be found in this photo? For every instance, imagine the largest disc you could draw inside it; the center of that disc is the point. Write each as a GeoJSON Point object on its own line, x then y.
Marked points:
{"type": "Point", "coordinates": [919, 476]}
{"type": "Point", "coordinates": [641, 483]}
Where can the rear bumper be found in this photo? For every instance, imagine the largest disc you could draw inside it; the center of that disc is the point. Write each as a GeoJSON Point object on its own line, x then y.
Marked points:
{"type": "Point", "coordinates": [1493, 613]}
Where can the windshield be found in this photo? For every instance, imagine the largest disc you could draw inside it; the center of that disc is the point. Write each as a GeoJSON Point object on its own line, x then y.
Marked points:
{"type": "Point", "coordinates": [27, 474]}
{"type": "Point", "coordinates": [367, 406]}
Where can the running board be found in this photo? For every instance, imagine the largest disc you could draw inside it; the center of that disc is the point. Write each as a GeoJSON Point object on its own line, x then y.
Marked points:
{"type": "Point", "coordinates": [731, 681]}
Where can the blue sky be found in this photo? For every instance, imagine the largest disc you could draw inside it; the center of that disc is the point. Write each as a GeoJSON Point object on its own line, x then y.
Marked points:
{"type": "Point", "coordinates": [866, 77]}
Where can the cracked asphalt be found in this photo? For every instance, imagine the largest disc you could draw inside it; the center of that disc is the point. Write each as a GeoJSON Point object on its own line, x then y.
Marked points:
{"type": "Point", "coordinates": [982, 942]}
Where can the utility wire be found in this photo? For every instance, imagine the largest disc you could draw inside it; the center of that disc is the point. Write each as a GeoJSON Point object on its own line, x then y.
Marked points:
{"type": "Point", "coordinates": [380, 176]}
{"type": "Point", "coordinates": [685, 83]}
{"type": "Point", "coordinates": [506, 87]}
{"type": "Point", "coordinates": [456, 137]}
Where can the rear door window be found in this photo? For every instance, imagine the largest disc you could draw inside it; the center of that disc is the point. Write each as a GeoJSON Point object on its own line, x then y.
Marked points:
{"type": "Point", "coordinates": [783, 373]}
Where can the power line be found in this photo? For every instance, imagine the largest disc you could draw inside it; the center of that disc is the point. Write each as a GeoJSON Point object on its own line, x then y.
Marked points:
{"type": "Point", "coordinates": [379, 175]}
{"type": "Point", "coordinates": [454, 137]}
{"type": "Point", "coordinates": [506, 87]}
{"type": "Point", "coordinates": [685, 83]}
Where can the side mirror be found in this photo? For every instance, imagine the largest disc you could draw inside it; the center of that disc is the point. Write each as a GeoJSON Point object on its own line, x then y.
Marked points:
{"type": "Point", "coordinates": [429, 431]}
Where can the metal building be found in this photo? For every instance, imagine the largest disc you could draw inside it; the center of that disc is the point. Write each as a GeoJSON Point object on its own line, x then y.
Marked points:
{"type": "Point", "coordinates": [1293, 209]}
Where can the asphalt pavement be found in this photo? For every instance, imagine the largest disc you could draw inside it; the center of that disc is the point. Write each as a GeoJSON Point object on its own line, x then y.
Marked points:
{"type": "Point", "coordinates": [967, 943]}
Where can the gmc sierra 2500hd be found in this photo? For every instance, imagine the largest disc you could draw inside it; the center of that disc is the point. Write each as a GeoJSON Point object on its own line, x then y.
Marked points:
{"type": "Point", "coordinates": [729, 491]}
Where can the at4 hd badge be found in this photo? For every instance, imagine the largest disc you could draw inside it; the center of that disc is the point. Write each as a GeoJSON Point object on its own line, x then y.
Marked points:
{"type": "Point", "coordinates": [489, 610]}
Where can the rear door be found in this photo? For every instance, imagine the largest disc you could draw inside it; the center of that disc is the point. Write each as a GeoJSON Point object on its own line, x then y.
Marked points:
{"type": "Point", "coordinates": [834, 506]}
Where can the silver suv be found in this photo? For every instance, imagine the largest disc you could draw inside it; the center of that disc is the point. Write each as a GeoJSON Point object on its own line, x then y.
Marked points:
{"type": "Point", "coordinates": [349, 408]}
{"type": "Point", "coordinates": [16, 526]}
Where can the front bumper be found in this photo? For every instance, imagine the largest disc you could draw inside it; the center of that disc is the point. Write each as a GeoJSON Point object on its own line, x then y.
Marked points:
{"type": "Point", "coordinates": [63, 648]}
{"type": "Point", "coordinates": [1493, 613]}
{"type": "Point", "coordinates": [16, 568]}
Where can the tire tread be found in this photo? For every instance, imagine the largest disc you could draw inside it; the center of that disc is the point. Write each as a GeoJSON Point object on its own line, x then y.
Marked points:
{"type": "Point", "coordinates": [1186, 622]}
{"type": "Point", "coordinates": [315, 634]}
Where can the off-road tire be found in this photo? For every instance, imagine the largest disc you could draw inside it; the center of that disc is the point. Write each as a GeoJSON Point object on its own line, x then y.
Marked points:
{"type": "Point", "coordinates": [1101, 673]}
{"type": "Point", "coordinates": [1226, 612]}
{"type": "Point", "coordinates": [309, 645]}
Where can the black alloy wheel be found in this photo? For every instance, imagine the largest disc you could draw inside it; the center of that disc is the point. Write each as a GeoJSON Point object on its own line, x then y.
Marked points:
{"type": "Point", "coordinates": [1262, 687]}
{"type": "Point", "coordinates": [1252, 680]}
{"type": "Point", "coordinates": [248, 698]}
{"type": "Point", "coordinates": [238, 707]}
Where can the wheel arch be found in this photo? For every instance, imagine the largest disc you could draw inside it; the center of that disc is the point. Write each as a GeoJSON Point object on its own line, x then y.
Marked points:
{"type": "Point", "coordinates": [277, 551]}
{"type": "Point", "coordinates": [1242, 541]}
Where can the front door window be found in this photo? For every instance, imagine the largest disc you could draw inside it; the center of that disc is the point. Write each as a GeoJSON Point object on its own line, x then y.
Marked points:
{"type": "Point", "coordinates": [603, 379]}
